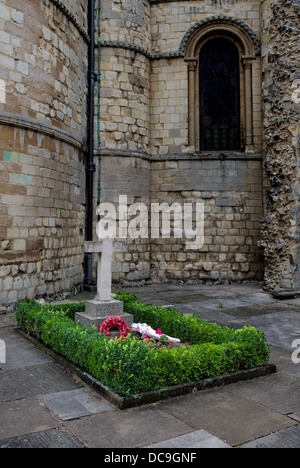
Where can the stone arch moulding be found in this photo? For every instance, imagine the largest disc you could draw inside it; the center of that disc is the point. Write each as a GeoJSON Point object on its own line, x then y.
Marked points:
{"type": "Point", "coordinates": [248, 46]}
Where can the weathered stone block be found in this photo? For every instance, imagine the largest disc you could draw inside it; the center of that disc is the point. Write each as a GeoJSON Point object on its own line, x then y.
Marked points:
{"type": "Point", "coordinates": [89, 322]}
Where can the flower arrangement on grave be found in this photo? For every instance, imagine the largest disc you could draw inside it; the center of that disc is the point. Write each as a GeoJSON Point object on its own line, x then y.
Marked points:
{"type": "Point", "coordinates": [115, 322]}
{"type": "Point", "coordinates": [149, 334]}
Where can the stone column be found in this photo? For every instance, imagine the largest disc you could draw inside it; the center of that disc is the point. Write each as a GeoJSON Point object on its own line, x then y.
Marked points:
{"type": "Point", "coordinates": [247, 63]}
{"type": "Point", "coordinates": [281, 87]}
{"type": "Point", "coordinates": [192, 108]}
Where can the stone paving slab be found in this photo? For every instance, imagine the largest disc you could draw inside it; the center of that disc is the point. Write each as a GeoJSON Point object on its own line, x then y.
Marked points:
{"type": "Point", "coordinates": [294, 301]}
{"type": "Point", "coordinates": [19, 352]}
{"type": "Point", "coordinates": [16, 384]}
{"type": "Point", "coordinates": [228, 300]}
{"type": "Point", "coordinates": [53, 438]}
{"type": "Point", "coordinates": [217, 308]}
{"type": "Point", "coordinates": [7, 320]}
{"type": "Point", "coordinates": [284, 363]}
{"type": "Point", "coordinates": [210, 290]}
{"type": "Point", "coordinates": [75, 404]}
{"type": "Point", "coordinates": [23, 417]}
{"type": "Point", "coordinates": [208, 295]}
{"type": "Point", "coordinates": [258, 298]}
{"type": "Point", "coordinates": [288, 438]}
{"type": "Point", "coordinates": [253, 310]}
{"type": "Point", "coordinates": [127, 429]}
{"type": "Point", "coordinates": [212, 316]}
{"type": "Point", "coordinates": [265, 413]}
{"type": "Point", "coordinates": [197, 439]}
{"type": "Point", "coordinates": [230, 417]}
{"type": "Point", "coordinates": [286, 343]}
{"type": "Point", "coordinates": [182, 299]}
{"type": "Point", "coordinates": [282, 330]}
{"type": "Point", "coordinates": [275, 318]}
{"type": "Point", "coordinates": [279, 392]}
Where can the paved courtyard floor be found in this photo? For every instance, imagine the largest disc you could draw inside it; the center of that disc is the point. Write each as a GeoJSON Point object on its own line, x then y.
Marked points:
{"type": "Point", "coordinates": [42, 406]}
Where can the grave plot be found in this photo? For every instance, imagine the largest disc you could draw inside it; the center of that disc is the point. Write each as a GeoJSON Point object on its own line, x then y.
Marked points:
{"type": "Point", "coordinates": [129, 370]}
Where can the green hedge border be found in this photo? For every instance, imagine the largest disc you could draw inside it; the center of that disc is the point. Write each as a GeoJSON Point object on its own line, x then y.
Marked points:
{"type": "Point", "coordinates": [131, 367]}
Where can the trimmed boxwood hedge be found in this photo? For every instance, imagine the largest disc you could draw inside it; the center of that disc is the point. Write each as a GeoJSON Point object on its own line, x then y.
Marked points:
{"type": "Point", "coordinates": [131, 366]}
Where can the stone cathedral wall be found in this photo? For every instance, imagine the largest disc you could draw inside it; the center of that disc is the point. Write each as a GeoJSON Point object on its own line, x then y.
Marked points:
{"type": "Point", "coordinates": [231, 194]}
{"type": "Point", "coordinates": [125, 121]}
{"type": "Point", "coordinates": [149, 134]}
{"type": "Point", "coordinates": [145, 127]}
{"type": "Point", "coordinates": [281, 91]}
{"type": "Point", "coordinates": [43, 77]}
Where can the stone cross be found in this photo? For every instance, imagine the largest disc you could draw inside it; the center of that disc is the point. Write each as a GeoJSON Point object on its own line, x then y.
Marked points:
{"type": "Point", "coordinates": [103, 306]}
{"type": "Point", "coordinates": [104, 249]}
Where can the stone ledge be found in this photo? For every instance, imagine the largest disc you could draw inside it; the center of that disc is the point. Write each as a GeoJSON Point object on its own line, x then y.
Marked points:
{"type": "Point", "coordinates": [284, 294]}
{"type": "Point", "coordinates": [30, 125]}
{"type": "Point", "coordinates": [156, 395]}
{"type": "Point", "coordinates": [193, 156]}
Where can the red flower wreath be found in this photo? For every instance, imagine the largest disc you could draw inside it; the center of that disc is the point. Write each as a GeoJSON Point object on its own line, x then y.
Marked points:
{"type": "Point", "coordinates": [115, 322]}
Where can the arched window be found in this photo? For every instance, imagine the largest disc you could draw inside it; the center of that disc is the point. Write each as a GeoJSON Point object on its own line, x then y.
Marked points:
{"type": "Point", "coordinates": [221, 53]}
{"type": "Point", "coordinates": [219, 93]}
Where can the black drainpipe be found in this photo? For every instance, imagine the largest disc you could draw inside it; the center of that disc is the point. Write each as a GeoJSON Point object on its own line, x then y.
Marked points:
{"type": "Point", "coordinates": [90, 165]}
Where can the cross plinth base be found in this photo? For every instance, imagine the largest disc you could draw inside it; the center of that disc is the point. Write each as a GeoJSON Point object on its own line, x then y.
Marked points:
{"type": "Point", "coordinates": [104, 309]}
{"type": "Point", "coordinates": [97, 312]}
